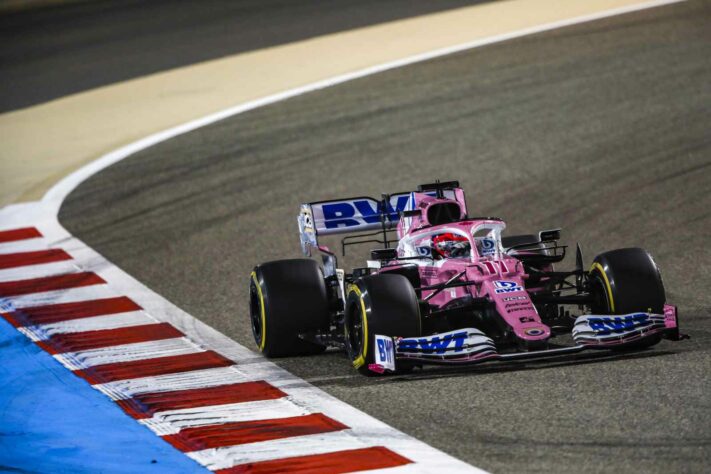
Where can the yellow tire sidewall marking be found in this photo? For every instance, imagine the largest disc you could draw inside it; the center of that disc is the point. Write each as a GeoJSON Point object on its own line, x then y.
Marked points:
{"type": "Point", "coordinates": [360, 360]}
{"type": "Point", "coordinates": [608, 288]}
{"type": "Point", "coordinates": [263, 342]}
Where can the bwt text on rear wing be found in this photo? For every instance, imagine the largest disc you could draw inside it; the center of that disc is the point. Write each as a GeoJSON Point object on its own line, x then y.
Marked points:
{"type": "Point", "coordinates": [361, 214]}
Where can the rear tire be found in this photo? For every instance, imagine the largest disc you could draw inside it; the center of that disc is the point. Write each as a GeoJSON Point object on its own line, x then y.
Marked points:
{"type": "Point", "coordinates": [384, 304]}
{"type": "Point", "coordinates": [287, 298]}
{"type": "Point", "coordinates": [627, 281]}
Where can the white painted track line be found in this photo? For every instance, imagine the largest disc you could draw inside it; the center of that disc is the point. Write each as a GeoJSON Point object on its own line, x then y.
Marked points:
{"type": "Point", "coordinates": [72, 295]}
{"type": "Point", "coordinates": [28, 245]}
{"type": "Point", "coordinates": [38, 271]}
{"type": "Point", "coordinates": [124, 389]}
{"type": "Point", "coordinates": [128, 353]}
{"type": "Point", "coordinates": [56, 195]}
{"type": "Point", "coordinates": [171, 422]}
{"type": "Point", "coordinates": [96, 323]}
{"type": "Point", "coordinates": [222, 458]}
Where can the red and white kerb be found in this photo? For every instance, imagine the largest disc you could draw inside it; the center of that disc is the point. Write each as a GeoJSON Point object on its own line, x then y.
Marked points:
{"type": "Point", "coordinates": [196, 399]}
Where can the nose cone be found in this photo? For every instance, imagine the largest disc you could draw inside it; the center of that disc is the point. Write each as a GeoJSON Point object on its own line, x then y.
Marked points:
{"type": "Point", "coordinates": [533, 336]}
{"type": "Point", "coordinates": [532, 333]}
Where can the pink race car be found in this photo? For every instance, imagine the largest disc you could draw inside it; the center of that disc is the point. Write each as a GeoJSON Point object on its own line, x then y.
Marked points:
{"type": "Point", "coordinates": [451, 291]}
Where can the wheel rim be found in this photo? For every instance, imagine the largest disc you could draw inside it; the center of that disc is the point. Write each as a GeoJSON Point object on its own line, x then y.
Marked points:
{"type": "Point", "coordinates": [600, 304]}
{"type": "Point", "coordinates": [255, 313]}
{"type": "Point", "coordinates": [354, 331]}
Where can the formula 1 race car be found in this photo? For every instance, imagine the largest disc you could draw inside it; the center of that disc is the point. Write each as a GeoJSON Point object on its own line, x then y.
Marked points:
{"type": "Point", "coordinates": [452, 291]}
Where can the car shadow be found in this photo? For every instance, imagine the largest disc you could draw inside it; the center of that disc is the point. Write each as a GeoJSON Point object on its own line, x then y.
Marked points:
{"type": "Point", "coordinates": [440, 372]}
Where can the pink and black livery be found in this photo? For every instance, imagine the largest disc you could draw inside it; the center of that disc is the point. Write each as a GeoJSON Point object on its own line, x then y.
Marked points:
{"type": "Point", "coordinates": [446, 288]}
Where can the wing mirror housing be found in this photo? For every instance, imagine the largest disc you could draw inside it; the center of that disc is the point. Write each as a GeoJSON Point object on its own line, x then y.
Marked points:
{"type": "Point", "coordinates": [549, 235]}
{"type": "Point", "coordinates": [412, 213]}
{"type": "Point", "coordinates": [383, 254]}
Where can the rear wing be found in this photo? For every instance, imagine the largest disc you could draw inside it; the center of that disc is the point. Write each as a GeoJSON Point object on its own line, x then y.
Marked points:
{"type": "Point", "coordinates": [360, 214]}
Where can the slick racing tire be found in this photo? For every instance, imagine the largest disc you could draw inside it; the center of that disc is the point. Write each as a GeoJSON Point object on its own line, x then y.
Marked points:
{"type": "Point", "coordinates": [626, 281]}
{"type": "Point", "coordinates": [384, 304]}
{"type": "Point", "coordinates": [287, 298]}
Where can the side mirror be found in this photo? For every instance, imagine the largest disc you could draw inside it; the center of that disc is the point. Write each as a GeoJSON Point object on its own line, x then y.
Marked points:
{"type": "Point", "coordinates": [549, 235]}
{"type": "Point", "coordinates": [413, 213]}
{"type": "Point", "coordinates": [383, 254]}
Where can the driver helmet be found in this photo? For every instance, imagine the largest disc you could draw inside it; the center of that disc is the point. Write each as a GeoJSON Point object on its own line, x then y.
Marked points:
{"type": "Point", "coordinates": [448, 245]}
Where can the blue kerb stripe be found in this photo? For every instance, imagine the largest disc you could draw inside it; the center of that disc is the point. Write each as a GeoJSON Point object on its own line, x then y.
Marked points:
{"type": "Point", "coordinates": [53, 422]}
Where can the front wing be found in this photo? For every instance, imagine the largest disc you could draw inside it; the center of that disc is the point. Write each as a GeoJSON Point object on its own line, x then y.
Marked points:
{"type": "Point", "coordinates": [469, 346]}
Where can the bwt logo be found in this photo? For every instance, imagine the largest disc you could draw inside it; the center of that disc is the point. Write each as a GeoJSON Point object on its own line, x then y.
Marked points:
{"type": "Point", "coordinates": [424, 251]}
{"type": "Point", "coordinates": [385, 348]}
{"type": "Point", "coordinates": [435, 344]}
{"type": "Point", "coordinates": [503, 286]}
{"type": "Point", "coordinates": [488, 247]}
{"type": "Point", "coordinates": [356, 212]}
{"type": "Point", "coordinates": [608, 325]}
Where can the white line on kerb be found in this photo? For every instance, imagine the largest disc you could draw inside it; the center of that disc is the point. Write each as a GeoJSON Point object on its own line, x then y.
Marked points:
{"type": "Point", "coordinates": [56, 195]}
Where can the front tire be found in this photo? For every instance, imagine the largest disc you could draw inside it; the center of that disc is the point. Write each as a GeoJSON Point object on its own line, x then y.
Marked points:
{"type": "Point", "coordinates": [287, 298]}
{"type": "Point", "coordinates": [627, 281]}
{"type": "Point", "coordinates": [384, 304]}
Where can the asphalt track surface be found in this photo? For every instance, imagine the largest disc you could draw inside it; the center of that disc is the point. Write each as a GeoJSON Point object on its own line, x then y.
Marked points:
{"type": "Point", "coordinates": [58, 50]}
{"type": "Point", "coordinates": [600, 128]}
